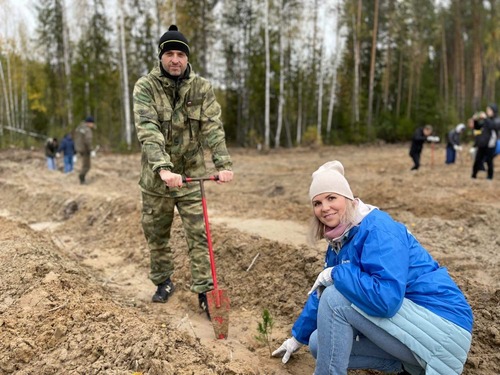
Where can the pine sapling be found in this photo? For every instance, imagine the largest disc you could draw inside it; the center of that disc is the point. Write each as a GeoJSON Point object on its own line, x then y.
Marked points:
{"type": "Point", "coordinates": [265, 328]}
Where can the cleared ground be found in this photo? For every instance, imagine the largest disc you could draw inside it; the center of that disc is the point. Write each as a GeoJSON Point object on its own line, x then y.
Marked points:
{"type": "Point", "coordinates": [74, 292]}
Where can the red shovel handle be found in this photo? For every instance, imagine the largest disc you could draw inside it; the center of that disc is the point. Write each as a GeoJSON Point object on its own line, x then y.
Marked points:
{"type": "Point", "coordinates": [207, 229]}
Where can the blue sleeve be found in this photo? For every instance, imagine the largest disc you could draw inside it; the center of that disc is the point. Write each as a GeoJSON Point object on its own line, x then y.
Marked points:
{"type": "Point", "coordinates": [306, 323]}
{"type": "Point", "coordinates": [376, 282]}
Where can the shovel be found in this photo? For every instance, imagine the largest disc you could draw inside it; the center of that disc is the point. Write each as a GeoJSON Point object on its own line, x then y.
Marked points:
{"type": "Point", "coordinates": [218, 299]}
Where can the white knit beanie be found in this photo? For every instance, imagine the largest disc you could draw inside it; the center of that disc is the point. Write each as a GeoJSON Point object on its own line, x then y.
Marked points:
{"type": "Point", "coordinates": [329, 178]}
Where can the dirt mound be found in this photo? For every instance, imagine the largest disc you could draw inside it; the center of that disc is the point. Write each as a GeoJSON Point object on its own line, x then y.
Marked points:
{"type": "Point", "coordinates": [75, 297]}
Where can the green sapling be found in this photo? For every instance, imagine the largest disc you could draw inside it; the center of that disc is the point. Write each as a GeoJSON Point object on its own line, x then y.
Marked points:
{"type": "Point", "coordinates": [265, 328]}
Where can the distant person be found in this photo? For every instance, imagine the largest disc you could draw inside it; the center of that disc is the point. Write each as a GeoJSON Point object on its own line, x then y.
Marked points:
{"type": "Point", "coordinates": [381, 302]}
{"type": "Point", "coordinates": [485, 125]}
{"type": "Point", "coordinates": [421, 135]}
{"type": "Point", "coordinates": [453, 144]}
{"type": "Point", "coordinates": [51, 152]}
{"type": "Point", "coordinates": [176, 115]}
{"type": "Point", "coordinates": [67, 148]}
{"type": "Point", "coordinates": [83, 145]}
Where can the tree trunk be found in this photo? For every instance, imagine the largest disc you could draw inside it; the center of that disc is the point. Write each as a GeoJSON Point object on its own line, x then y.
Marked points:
{"type": "Point", "coordinates": [372, 69]}
{"type": "Point", "coordinates": [335, 63]}
{"type": "Point", "coordinates": [5, 96]}
{"type": "Point", "coordinates": [459, 72]}
{"type": "Point", "coordinates": [320, 97]}
{"type": "Point", "coordinates": [67, 66]}
{"type": "Point", "coordinates": [445, 71]}
{"type": "Point", "coordinates": [124, 74]}
{"type": "Point", "coordinates": [476, 56]}
{"type": "Point", "coordinates": [268, 76]}
{"type": "Point", "coordinates": [400, 84]}
{"type": "Point", "coordinates": [357, 46]}
{"type": "Point", "coordinates": [299, 112]}
{"type": "Point", "coordinates": [281, 98]}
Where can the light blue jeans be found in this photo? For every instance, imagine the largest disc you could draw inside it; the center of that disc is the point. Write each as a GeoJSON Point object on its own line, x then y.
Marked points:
{"type": "Point", "coordinates": [347, 340]}
{"type": "Point", "coordinates": [51, 163]}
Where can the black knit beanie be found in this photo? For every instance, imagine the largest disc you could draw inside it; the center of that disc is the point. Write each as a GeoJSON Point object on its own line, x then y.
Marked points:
{"type": "Point", "coordinates": [173, 40]}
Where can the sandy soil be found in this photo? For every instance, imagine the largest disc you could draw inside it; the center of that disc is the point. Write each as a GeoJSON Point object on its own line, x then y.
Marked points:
{"type": "Point", "coordinates": [75, 297]}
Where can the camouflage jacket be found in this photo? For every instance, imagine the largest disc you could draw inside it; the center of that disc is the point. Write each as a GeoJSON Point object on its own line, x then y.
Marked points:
{"type": "Point", "coordinates": [83, 139]}
{"type": "Point", "coordinates": [174, 121]}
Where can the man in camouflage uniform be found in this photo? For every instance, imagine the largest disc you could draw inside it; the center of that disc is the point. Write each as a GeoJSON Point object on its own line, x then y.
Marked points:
{"type": "Point", "coordinates": [83, 145]}
{"type": "Point", "coordinates": [176, 114]}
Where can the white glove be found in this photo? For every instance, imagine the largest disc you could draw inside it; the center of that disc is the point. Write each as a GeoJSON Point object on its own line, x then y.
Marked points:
{"type": "Point", "coordinates": [92, 154]}
{"type": "Point", "coordinates": [433, 138]}
{"type": "Point", "coordinates": [75, 158]}
{"type": "Point", "coordinates": [323, 279]}
{"type": "Point", "coordinates": [457, 147]}
{"type": "Point", "coordinates": [288, 347]}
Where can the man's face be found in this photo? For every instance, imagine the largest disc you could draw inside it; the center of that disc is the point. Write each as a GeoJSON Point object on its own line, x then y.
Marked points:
{"type": "Point", "coordinates": [174, 62]}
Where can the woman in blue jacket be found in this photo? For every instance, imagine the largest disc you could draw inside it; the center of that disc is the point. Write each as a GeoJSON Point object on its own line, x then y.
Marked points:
{"type": "Point", "coordinates": [382, 302]}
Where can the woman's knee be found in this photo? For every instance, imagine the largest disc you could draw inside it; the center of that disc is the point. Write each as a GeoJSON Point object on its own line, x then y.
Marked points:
{"type": "Point", "coordinates": [313, 344]}
{"type": "Point", "coordinates": [333, 298]}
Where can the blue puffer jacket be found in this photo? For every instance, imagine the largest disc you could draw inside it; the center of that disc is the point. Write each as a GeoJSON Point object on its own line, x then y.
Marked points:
{"type": "Point", "coordinates": [379, 264]}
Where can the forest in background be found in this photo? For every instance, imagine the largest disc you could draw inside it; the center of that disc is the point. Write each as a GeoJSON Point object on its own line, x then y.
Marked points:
{"type": "Point", "coordinates": [286, 72]}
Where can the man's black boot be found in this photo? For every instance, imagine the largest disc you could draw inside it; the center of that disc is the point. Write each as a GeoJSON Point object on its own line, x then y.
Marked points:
{"type": "Point", "coordinates": [163, 291]}
{"type": "Point", "coordinates": [203, 302]}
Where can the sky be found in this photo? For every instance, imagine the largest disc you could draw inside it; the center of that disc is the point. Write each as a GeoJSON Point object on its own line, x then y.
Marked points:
{"type": "Point", "coordinates": [14, 13]}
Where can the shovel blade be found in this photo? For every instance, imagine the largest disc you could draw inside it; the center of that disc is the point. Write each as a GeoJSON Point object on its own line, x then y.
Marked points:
{"type": "Point", "coordinates": [218, 307]}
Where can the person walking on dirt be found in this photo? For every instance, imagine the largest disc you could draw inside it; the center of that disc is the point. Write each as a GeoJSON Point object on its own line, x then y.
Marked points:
{"type": "Point", "coordinates": [420, 136]}
{"type": "Point", "coordinates": [67, 148]}
{"type": "Point", "coordinates": [381, 302]}
{"type": "Point", "coordinates": [50, 153]}
{"type": "Point", "coordinates": [83, 145]}
{"type": "Point", "coordinates": [176, 114]}
{"type": "Point", "coordinates": [453, 144]}
{"type": "Point", "coordinates": [486, 125]}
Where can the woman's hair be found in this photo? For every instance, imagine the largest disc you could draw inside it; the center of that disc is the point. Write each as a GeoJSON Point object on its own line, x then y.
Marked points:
{"type": "Point", "coordinates": [317, 228]}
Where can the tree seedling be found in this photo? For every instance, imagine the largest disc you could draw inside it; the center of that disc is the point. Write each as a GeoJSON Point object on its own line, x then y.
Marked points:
{"type": "Point", "coordinates": [265, 328]}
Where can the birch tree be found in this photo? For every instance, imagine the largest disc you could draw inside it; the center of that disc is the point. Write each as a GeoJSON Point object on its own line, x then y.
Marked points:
{"type": "Point", "coordinates": [372, 67]}
{"type": "Point", "coordinates": [267, 125]}
{"type": "Point", "coordinates": [67, 64]}
{"type": "Point", "coordinates": [335, 63]}
{"type": "Point", "coordinates": [356, 34]}
{"type": "Point", "coordinates": [281, 95]}
{"type": "Point", "coordinates": [124, 76]}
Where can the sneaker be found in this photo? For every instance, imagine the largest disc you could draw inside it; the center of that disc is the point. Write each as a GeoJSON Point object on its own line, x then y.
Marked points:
{"type": "Point", "coordinates": [203, 302]}
{"type": "Point", "coordinates": [164, 290]}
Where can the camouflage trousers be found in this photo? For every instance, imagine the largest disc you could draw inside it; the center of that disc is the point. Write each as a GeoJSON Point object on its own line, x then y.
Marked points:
{"type": "Point", "coordinates": [157, 218]}
{"type": "Point", "coordinates": [85, 166]}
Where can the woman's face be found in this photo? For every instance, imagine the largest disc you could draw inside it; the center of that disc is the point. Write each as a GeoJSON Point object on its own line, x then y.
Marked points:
{"type": "Point", "coordinates": [329, 208]}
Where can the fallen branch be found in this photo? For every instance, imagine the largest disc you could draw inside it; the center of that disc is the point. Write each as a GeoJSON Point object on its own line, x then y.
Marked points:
{"type": "Point", "coordinates": [58, 307]}
{"type": "Point", "coordinates": [253, 261]}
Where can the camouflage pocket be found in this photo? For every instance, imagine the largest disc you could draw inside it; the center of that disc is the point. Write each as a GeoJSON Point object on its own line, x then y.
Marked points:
{"type": "Point", "coordinates": [165, 120]}
{"type": "Point", "coordinates": [194, 118]}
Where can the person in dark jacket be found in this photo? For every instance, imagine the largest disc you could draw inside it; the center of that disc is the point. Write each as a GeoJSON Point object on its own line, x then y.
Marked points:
{"type": "Point", "coordinates": [486, 126]}
{"type": "Point", "coordinates": [420, 136]}
{"type": "Point", "coordinates": [381, 302]}
{"type": "Point", "coordinates": [67, 148]}
{"type": "Point", "coordinates": [50, 153]}
{"type": "Point", "coordinates": [453, 144]}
